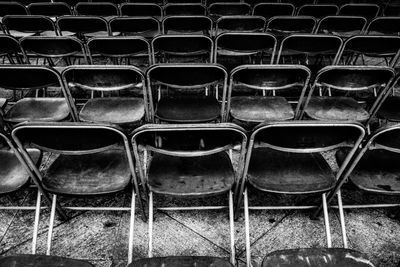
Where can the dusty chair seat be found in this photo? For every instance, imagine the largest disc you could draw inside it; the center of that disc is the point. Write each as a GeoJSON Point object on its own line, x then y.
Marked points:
{"type": "Point", "coordinates": [188, 109]}
{"type": "Point", "coordinates": [316, 257]}
{"type": "Point", "coordinates": [275, 171]}
{"type": "Point", "coordinates": [38, 109]}
{"type": "Point", "coordinates": [41, 261]}
{"type": "Point", "coordinates": [118, 110]}
{"type": "Point", "coordinates": [378, 171]}
{"type": "Point", "coordinates": [336, 108]}
{"type": "Point", "coordinates": [174, 261]}
{"type": "Point", "coordinates": [90, 174]}
{"type": "Point", "coordinates": [12, 174]}
{"type": "Point", "coordinates": [390, 109]}
{"type": "Point", "coordinates": [259, 109]}
{"type": "Point", "coordinates": [207, 175]}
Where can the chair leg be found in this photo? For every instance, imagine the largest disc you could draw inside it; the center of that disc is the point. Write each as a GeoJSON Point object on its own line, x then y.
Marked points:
{"type": "Point", "coordinates": [326, 221]}
{"type": "Point", "coordinates": [51, 224]}
{"type": "Point", "coordinates": [341, 218]}
{"type": "Point", "coordinates": [247, 228]}
{"type": "Point", "coordinates": [131, 227]}
{"type": "Point", "coordinates": [36, 224]}
{"type": "Point", "coordinates": [150, 224]}
{"type": "Point", "coordinates": [232, 227]}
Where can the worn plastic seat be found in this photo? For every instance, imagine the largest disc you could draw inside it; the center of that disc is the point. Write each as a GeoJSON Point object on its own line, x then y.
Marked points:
{"type": "Point", "coordinates": [51, 9]}
{"type": "Point", "coordinates": [10, 49]}
{"type": "Point", "coordinates": [22, 25]}
{"type": "Point", "coordinates": [141, 10]}
{"type": "Point", "coordinates": [343, 26]}
{"type": "Point", "coordinates": [146, 27]}
{"type": "Point", "coordinates": [41, 261]}
{"type": "Point", "coordinates": [269, 10]}
{"type": "Point", "coordinates": [185, 9]}
{"type": "Point", "coordinates": [173, 261]}
{"type": "Point", "coordinates": [240, 24]}
{"type": "Point", "coordinates": [317, 10]}
{"type": "Point", "coordinates": [187, 25]}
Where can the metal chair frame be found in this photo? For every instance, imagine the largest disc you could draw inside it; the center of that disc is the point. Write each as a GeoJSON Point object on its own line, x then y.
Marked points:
{"type": "Point", "coordinates": [243, 19]}
{"type": "Point", "coordinates": [360, 5]}
{"type": "Point", "coordinates": [83, 18]}
{"type": "Point", "coordinates": [260, 5]}
{"type": "Point", "coordinates": [393, 21]}
{"type": "Point", "coordinates": [315, 6]}
{"type": "Point", "coordinates": [207, 31]}
{"type": "Point", "coordinates": [115, 31]}
{"type": "Point", "coordinates": [320, 25]}
{"type": "Point", "coordinates": [12, 53]}
{"type": "Point", "coordinates": [133, 5]}
{"type": "Point", "coordinates": [44, 19]}
{"type": "Point", "coordinates": [33, 6]}
{"type": "Point", "coordinates": [108, 5]}
{"type": "Point", "coordinates": [182, 5]}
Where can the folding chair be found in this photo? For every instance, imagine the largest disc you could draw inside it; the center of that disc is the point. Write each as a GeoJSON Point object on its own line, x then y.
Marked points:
{"type": "Point", "coordinates": [51, 9]}
{"type": "Point", "coordinates": [187, 93]}
{"type": "Point", "coordinates": [388, 107]}
{"type": "Point", "coordinates": [187, 25]}
{"type": "Point", "coordinates": [210, 2]}
{"type": "Point", "coordinates": [30, 81]}
{"type": "Point", "coordinates": [298, 3]}
{"type": "Point", "coordinates": [182, 48]}
{"type": "Point", "coordinates": [115, 2]}
{"type": "Point", "coordinates": [27, 2]}
{"type": "Point", "coordinates": [269, 10]}
{"type": "Point", "coordinates": [122, 50]}
{"type": "Point", "coordinates": [71, 3]}
{"type": "Point", "coordinates": [185, 10]}
{"type": "Point", "coordinates": [141, 10]}
{"type": "Point", "coordinates": [23, 25]}
{"type": "Point", "coordinates": [103, 9]}
{"type": "Point", "coordinates": [157, 2]}
{"type": "Point", "coordinates": [255, 2]}
{"type": "Point", "coordinates": [10, 49]}
{"type": "Point", "coordinates": [93, 160]}
{"type": "Point", "coordinates": [316, 257]}
{"type": "Point", "coordinates": [82, 26]}
{"type": "Point", "coordinates": [234, 49]}
{"type": "Point", "coordinates": [259, 93]}
{"type": "Point", "coordinates": [342, 26]}
{"type": "Point", "coordinates": [200, 261]}
{"type": "Point", "coordinates": [217, 10]}
{"type": "Point", "coordinates": [296, 166]}
{"type": "Point", "coordinates": [53, 51]}
{"type": "Point", "coordinates": [384, 26]}
{"type": "Point", "coordinates": [348, 93]}
{"type": "Point", "coordinates": [240, 24]}
{"type": "Point", "coordinates": [368, 11]}
{"type": "Point", "coordinates": [146, 27]}
{"type": "Point", "coordinates": [12, 8]}
{"type": "Point", "coordinates": [282, 26]}
{"type": "Point", "coordinates": [370, 50]}
{"type": "Point", "coordinates": [107, 94]}
{"type": "Point", "coordinates": [318, 11]}
{"type": "Point", "coordinates": [184, 2]}
{"type": "Point", "coordinates": [198, 168]}
{"type": "Point", "coordinates": [41, 260]}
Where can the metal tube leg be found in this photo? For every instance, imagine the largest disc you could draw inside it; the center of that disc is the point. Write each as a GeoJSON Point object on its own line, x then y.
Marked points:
{"type": "Point", "coordinates": [51, 224]}
{"type": "Point", "coordinates": [341, 217]}
{"type": "Point", "coordinates": [150, 224]}
{"type": "Point", "coordinates": [36, 223]}
{"type": "Point", "coordinates": [247, 228]}
{"type": "Point", "coordinates": [131, 228]}
{"type": "Point", "coordinates": [326, 221]}
{"type": "Point", "coordinates": [232, 227]}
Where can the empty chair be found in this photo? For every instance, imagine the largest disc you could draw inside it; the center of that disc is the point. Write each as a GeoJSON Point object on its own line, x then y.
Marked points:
{"type": "Point", "coordinates": [115, 2]}
{"type": "Point", "coordinates": [70, 2]}
{"type": "Point", "coordinates": [259, 93]}
{"type": "Point", "coordinates": [388, 108]}
{"type": "Point", "coordinates": [10, 49]}
{"type": "Point", "coordinates": [185, 10]}
{"type": "Point", "coordinates": [255, 2]}
{"type": "Point", "coordinates": [23, 25]}
{"type": "Point", "coordinates": [198, 168]}
{"type": "Point", "coordinates": [384, 26]}
{"type": "Point", "coordinates": [217, 10]}
{"type": "Point", "coordinates": [182, 48]}
{"type": "Point", "coordinates": [104, 9]}
{"type": "Point", "coordinates": [314, 257]}
{"type": "Point", "coordinates": [210, 2]}
{"type": "Point", "coordinates": [282, 26]}
{"type": "Point", "coordinates": [368, 11]}
{"type": "Point", "coordinates": [347, 93]}
{"type": "Point", "coordinates": [107, 94]}
{"type": "Point", "coordinates": [269, 10]}
{"type": "Point", "coordinates": [50, 9]}
{"type": "Point", "coordinates": [31, 80]}
{"type": "Point", "coordinates": [141, 10]}
{"type": "Point", "coordinates": [12, 8]}
{"type": "Point", "coordinates": [240, 24]}
{"type": "Point", "coordinates": [201, 261]}
{"type": "Point", "coordinates": [370, 50]}
{"type": "Point", "coordinates": [296, 166]}
{"type": "Point", "coordinates": [41, 260]}
{"type": "Point", "coordinates": [93, 160]}
{"type": "Point", "coordinates": [186, 93]}
{"type": "Point", "coordinates": [318, 11]}
{"type": "Point", "coordinates": [54, 51]}
{"type": "Point", "coordinates": [147, 27]}
{"type": "Point", "coordinates": [187, 25]}
{"type": "Point", "coordinates": [157, 2]}
{"type": "Point", "coordinates": [120, 50]}
{"type": "Point", "coordinates": [343, 26]}
{"type": "Point", "coordinates": [82, 26]}
{"type": "Point", "coordinates": [234, 49]}
{"type": "Point", "coordinates": [298, 3]}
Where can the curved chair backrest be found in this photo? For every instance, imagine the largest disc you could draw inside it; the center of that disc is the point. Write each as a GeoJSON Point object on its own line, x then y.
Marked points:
{"type": "Point", "coordinates": [298, 3]}
{"type": "Point", "coordinates": [29, 23]}
{"type": "Point", "coordinates": [41, 260]}
{"type": "Point", "coordinates": [255, 2]}
{"type": "Point", "coordinates": [50, 9]}
{"type": "Point", "coordinates": [96, 9]}
{"type": "Point", "coordinates": [343, 26]}
{"type": "Point", "coordinates": [71, 3]}
{"type": "Point", "coordinates": [240, 24]}
{"type": "Point", "coordinates": [147, 27]}
{"type": "Point", "coordinates": [269, 10]}
{"type": "Point", "coordinates": [286, 25]}
{"type": "Point", "coordinates": [181, 260]}
{"type": "Point", "coordinates": [84, 25]}
{"type": "Point", "coordinates": [157, 2]}
{"type": "Point", "coordinates": [141, 10]}
{"type": "Point", "coordinates": [186, 9]}
{"type": "Point", "coordinates": [12, 8]}
{"type": "Point", "coordinates": [187, 24]}
{"type": "Point", "coordinates": [229, 9]}
{"type": "Point", "coordinates": [369, 11]}
{"type": "Point", "coordinates": [210, 2]}
{"type": "Point", "coordinates": [318, 11]}
{"type": "Point", "coordinates": [384, 26]}
{"type": "Point", "coordinates": [9, 46]}
{"type": "Point", "coordinates": [184, 1]}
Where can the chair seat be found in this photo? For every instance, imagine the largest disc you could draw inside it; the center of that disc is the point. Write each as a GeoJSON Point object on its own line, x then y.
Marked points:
{"type": "Point", "coordinates": [226, 52]}
{"type": "Point", "coordinates": [289, 173]}
{"type": "Point", "coordinates": [93, 174]}
{"type": "Point", "coordinates": [259, 109]}
{"type": "Point", "coordinates": [38, 109]}
{"type": "Point", "coordinates": [336, 108]}
{"type": "Point", "coordinates": [173, 261]}
{"type": "Point", "coordinates": [12, 174]}
{"type": "Point", "coordinates": [316, 257]}
{"type": "Point", "coordinates": [118, 110]}
{"type": "Point", "coordinates": [18, 34]}
{"type": "Point", "coordinates": [378, 171]}
{"type": "Point", "coordinates": [191, 176]}
{"type": "Point", "coordinates": [41, 261]}
{"type": "Point", "coordinates": [188, 109]}
{"type": "Point", "coordinates": [390, 109]}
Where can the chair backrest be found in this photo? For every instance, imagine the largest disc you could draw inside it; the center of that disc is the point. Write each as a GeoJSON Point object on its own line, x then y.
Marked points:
{"type": "Point", "coordinates": [12, 8]}
{"type": "Point", "coordinates": [9, 45]}
{"type": "Point", "coordinates": [369, 11]}
{"type": "Point", "coordinates": [50, 9]}
{"type": "Point", "coordinates": [42, 260]}
{"type": "Point", "coordinates": [186, 9]}
{"type": "Point", "coordinates": [255, 2]}
{"type": "Point", "coordinates": [318, 11]}
{"type": "Point", "coordinates": [166, 47]}
{"type": "Point", "coordinates": [229, 9]}
{"type": "Point", "coordinates": [157, 2]}
{"type": "Point", "coordinates": [184, 1]}
{"type": "Point", "coordinates": [96, 9]}
{"type": "Point", "coordinates": [210, 2]}
{"type": "Point", "coordinates": [82, 25]}
{"type": "Point", "coordinates": [343, 26]}
{"type": "Point", "coordinates": [269, 10]}
{"type": "Point", "coordinates": [298, 3]}
{"type": "Point", "coordinates": [71, 3]}
{"type": "Point", "coordinates": [147, 27]}
{"type": "Point", "coordinates": [286, 25]}
{"type": "Point", "coordinates": [187, 25]}
{"type": "Point", "coordinates": [141, 10]}
{"type": "Point", "coordinates": [29, 23]}
{"type": "Point", "coordinates": [384, 26]}
{"type": "Point", "coordinates": [240, 24]}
